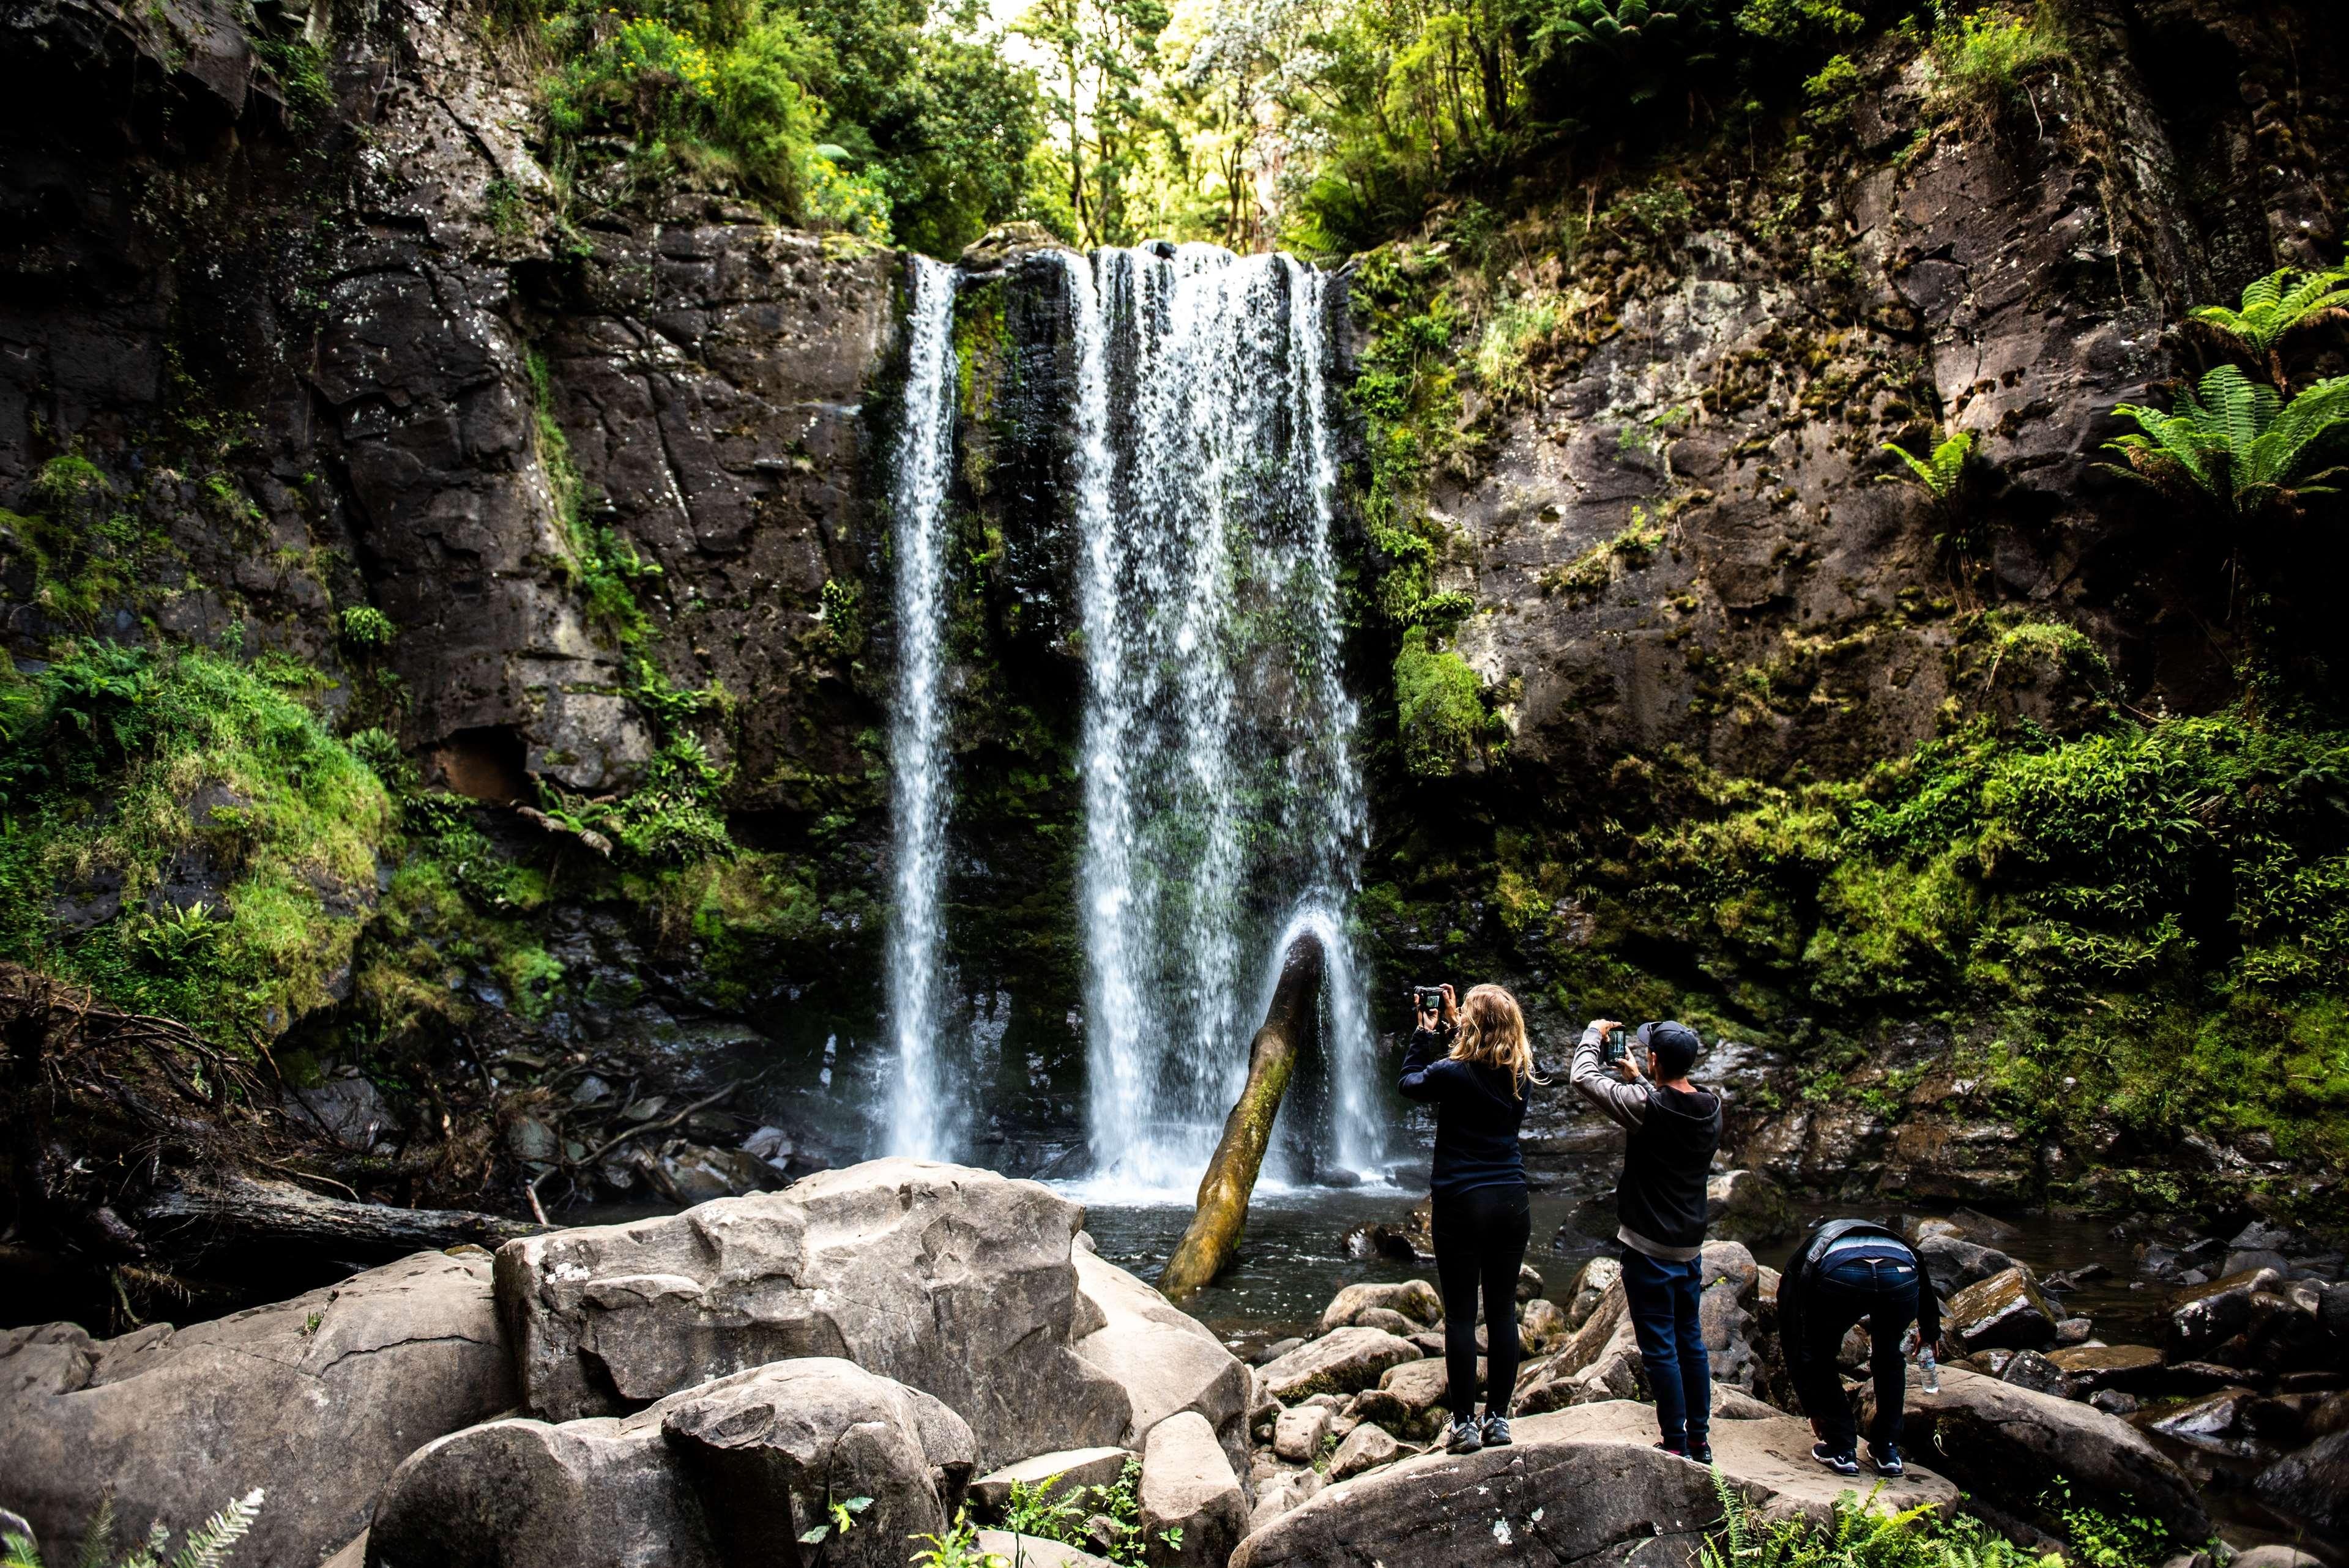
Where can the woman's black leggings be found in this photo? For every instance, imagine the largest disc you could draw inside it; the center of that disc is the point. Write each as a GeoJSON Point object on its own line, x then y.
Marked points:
{"type": "Point", "coordinates": [1480, 1241]}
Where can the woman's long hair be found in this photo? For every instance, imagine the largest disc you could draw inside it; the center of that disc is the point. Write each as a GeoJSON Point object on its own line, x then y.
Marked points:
{"type": "Point", "coordinates": [1493, 1034]}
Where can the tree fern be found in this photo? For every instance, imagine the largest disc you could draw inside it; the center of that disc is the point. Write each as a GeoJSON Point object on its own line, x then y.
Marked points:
{"type": "Point", "coordinates": [2234, 441]}
{"type": "Point", "coordinates": [2274, 309]}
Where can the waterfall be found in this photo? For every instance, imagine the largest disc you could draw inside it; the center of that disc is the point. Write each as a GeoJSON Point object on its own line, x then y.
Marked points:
{"type": "Point", "coordinates": [1223, 806]}
{"type": "Point", "coordinates": [917, 755]}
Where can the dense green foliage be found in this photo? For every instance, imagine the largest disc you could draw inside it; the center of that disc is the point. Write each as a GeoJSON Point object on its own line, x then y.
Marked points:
{"type": "Point", "coordinates": [2158, 912]}
{"type": "Point", "coordinates": [1049, 1511]}
{"type": "Point", "coordinates": [240, 835]}
{"type": "Point", "coordinates": [1859, 1535]}
{"type": "Point", "coordinates": [874, 117]}
{"type": "Point", "coordinates": [2275, 310]}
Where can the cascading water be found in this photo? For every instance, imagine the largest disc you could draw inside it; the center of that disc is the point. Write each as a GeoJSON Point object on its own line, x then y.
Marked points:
{"type": "Point", "coordinates": [1223, 806]}
{"type": "Point", "coordinates": [923, 1123]}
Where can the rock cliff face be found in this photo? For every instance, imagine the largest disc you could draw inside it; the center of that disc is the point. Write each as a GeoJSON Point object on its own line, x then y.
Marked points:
{"type": "Point", "coordinates": [301, 292]}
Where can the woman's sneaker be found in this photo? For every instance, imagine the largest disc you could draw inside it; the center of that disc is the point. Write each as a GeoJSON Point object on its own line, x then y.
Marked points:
{"type": "Point", "coordinates": [1700, 1452]}
{"type": "Point", "coordinates": [1467, 1436]}
{"type": "Point", "coordinates": [1496, 1432]}
{"type": "Point", "coordinates": [1887, 1460]}
{"type": "Point", "coordinates": [1842, 1464]}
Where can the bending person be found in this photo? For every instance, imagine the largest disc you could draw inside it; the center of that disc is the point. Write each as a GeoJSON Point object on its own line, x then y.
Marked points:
{"type": "Point", "coordinates": [1470, 1060]}
{"type": "Point", "coordinates": [1671, 1129]}
{"type": "Point", "coordinates": [1844, 1271]}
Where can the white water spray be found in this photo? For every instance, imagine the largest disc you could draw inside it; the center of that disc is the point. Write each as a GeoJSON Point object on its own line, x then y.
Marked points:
{"type": "Point", "coordinates": [917, 755]}
{"type": "Point", "coordinates": [1222, 799]}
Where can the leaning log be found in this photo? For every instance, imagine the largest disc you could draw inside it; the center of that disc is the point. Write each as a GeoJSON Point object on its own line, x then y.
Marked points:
{"type": "Point", "coordinates": [242, 1209]}
{"type": "Point", "coordinates": [1214, 1234]}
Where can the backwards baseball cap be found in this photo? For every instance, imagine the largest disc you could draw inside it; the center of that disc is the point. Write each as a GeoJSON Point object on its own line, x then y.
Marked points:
{"type": "Point", "coordinates": [1673, 1046]}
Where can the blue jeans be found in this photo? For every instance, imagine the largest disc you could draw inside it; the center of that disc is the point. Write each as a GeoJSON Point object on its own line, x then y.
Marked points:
{"type": "Point", "coordinates": [1662, 1300]}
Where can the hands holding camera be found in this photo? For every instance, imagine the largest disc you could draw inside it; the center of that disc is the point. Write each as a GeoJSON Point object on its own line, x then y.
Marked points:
{"type": "Point", "coordinates": [1437, 1007]}
{"type": "Point", "coordinates": [1616, 1048]}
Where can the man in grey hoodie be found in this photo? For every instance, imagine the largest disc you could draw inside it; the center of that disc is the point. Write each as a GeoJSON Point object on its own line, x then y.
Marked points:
{"type": "Point", "coordinates": [1672, 1128]}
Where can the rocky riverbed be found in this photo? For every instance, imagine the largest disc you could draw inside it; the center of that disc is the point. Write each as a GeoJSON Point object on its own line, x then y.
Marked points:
{"type": "Point", "coordinates": [928, 1341]}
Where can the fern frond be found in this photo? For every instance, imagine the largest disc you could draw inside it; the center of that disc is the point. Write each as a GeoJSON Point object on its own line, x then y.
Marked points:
{"type": "Point", "coordinates": [98, 1545]}
{"type": "Point", "coordinates": [210, 1543]}
{"type": "Point", "coordinates": [22, 1551]}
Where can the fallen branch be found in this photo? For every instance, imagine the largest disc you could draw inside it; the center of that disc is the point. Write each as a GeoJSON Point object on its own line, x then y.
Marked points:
{"type": "Point", "coordinates": [281, 1211]}
{"type": "Point", "coordinates": [1214, 1234]}
{"type": "Point", "coordinates": [663, 1124]}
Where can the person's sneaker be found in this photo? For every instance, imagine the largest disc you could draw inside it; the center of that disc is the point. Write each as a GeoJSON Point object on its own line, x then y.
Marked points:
{"type": "Point", "coordinates": [1700, 1452]}
{"type": "Point", "coordinates": [1676, 1453]}
{"type": "Point", "coordinates": [1496, 1432]}
{"type": "Point", "coordinates": [1842, 1464]}
{"type": "Point", "coordinates": [1887, 1460]}
{"type": "Point", "coordinates": [1467, 1437]}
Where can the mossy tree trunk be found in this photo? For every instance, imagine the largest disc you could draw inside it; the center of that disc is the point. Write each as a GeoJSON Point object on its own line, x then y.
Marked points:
{"type": "Point", "coordinates": [1222, 1214]}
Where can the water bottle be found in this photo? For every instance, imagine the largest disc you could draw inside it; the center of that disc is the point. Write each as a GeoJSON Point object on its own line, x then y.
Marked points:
{"type": "Point", "coordinates": [1931, 1368]}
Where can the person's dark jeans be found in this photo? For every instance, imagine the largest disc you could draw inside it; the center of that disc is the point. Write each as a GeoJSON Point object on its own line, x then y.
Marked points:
{"type": "Point", "coordinates": [1827, 1315]}
{"type": "Point", "coordinates": [1480, 1243]}
{"type": "Point", "coordinates": [1662, 1298]}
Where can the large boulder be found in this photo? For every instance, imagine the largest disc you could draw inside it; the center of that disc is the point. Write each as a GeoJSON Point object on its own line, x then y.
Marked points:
{"type": "Point", "coordinates": [2312, 1485]}
{"type": "Point", "coordinates": [2130, 1367]}
{"type": "Point", "coordinates": [1035, 1551]}
{"type": "Point", "coordinates": [1413, 1298]}
{"type": "Point", "coordinates": [316, 1400]}
{"type": "Point", "coordinates": [2003, 1312]}
{"type": "Point", "coordinates": [2210, 1320]}
{"type": "Point", "coordinates": [1340, 1362]}
{"type": "Point", "coordinates": [1188, 1486]}
{"type": "Point", "coordinates": [1165, 1360]}
{"type": "Point", "coordinates": [2007, 1442]}
{"type": "Point", "coordinates": [735, 1471]}
{"type": "Point", "coordinates": [1953, 1263]}
{"type": "Point", "coordinates": [1747, 1206]}
{"type": "Point", "coordinates": [954, 1281]}
{"type": "Point", "coordinates": [1585, 1485]}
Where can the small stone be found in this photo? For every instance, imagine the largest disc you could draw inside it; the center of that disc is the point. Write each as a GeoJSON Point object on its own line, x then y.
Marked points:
{"type": "Point", "coordinates": [2029, 1370]}
{"type": "Point", "coordinates": [1296, 1434]}
{"type": "Point", "coordinates": [2113, 1402]}
{"type": "Point", "coordinates": [1542, 1326]}
{"type": "Point", "coordinates": [1367, 1448]}
{"type": "Point", "coordinates": [1277, 1349]}
{"type": "Point", "coordinates": [1529, 1282]}
{"type": "Point", "coordinates": [2074, 1331]}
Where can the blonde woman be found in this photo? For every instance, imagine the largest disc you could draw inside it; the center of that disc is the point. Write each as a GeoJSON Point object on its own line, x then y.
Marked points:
{"type": "Point", "coordinates": [1471, 1061]}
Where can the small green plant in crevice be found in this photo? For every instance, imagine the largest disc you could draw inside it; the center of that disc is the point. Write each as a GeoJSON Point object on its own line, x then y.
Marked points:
{"type": "Point", "coordinates": [957, 1547]}
{"type": "Point", "coordinates": [1506, 351]}
{"type": "Point", "coordinates": [1946, 476]}
{"type": "Point", "coordinates": [842, 605]}
{"type": "Point", "coordinates": [1047, 1513]}
{"type": "Point", "coordinates": [2235, 444]}
{"type": "Point", "coordinates": [1590, 571]}
{"type": "Point", "coordinates": [604, 567]}
{"type": "Point", "coordinates": [83, 550]}
{"type": "Point", "coordinates": [839, 1519]}
{"type": "Point", "coordinates": [1407, 391]}
{"type": "Point", "coordinates": [208, 1546]}
{"type": "Point", "coordinates": [367, 629]}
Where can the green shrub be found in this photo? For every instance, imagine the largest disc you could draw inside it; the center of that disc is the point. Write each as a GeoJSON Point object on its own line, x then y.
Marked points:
{"type": "Point", "coordinates": [366, 628]}
{"type": "Point", "coordinates": [1439, 707]}
{"type": "Point", "coordinates": [1980, 68]}
{"type": "Point", "coordinates": [1857, 1536]}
